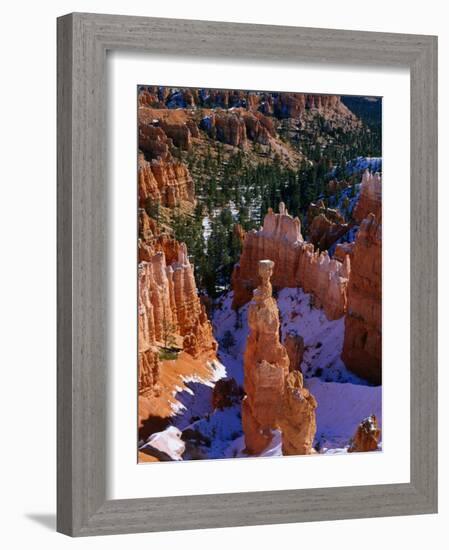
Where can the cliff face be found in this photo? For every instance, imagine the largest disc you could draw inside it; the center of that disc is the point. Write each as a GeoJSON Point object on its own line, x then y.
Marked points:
{"type": "Point", "coordinates": [297, 264]}
{"type": "Point", "coordinates": [362, 348]}
{"type": "Point", "coordinates": [293, 105]}
{"type": "Point", "coordinates": [170, 311]}
{"type": "Point", "coordinates": [165, 182]}
{"type": "Point", "coordinates": [265, 366]}
{"type": "Point", "coordinates": [163, 179]}
{"type": "Point", "coordinates": [238, 126]}
{"type": "Point", "coordinates": [370, 200]}
{"type": "Point", "coordinates": [177, 125]}
{"type": "Point", "coordinates": [281, 104]}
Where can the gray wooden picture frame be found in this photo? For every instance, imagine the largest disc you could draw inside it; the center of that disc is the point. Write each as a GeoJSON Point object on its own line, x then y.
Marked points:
{"type": "Point", "coordinates": [83, 40]}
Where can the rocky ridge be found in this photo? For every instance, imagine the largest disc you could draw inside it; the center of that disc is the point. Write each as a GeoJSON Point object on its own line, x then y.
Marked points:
{"type": "Point", "coordinates": [279, 104]}
{"type": "Point", "coordinates": [297, 264]}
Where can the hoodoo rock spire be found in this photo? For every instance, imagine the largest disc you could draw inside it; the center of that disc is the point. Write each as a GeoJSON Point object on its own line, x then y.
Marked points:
{"type": "Point", "coordinates": [273, 398]}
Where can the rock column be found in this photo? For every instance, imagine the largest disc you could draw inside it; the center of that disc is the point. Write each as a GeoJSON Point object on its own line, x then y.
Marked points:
{"type": "Point", "coordinates": [266, 366]}
{"type": "Point", "coordinates": [274, 398]}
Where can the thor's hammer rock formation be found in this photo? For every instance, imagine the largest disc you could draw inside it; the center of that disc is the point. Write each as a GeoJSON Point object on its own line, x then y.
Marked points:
{"type": "Point", "coordinates": [273, 397]}
{"type": "Point", "coordinates": [266, 365]}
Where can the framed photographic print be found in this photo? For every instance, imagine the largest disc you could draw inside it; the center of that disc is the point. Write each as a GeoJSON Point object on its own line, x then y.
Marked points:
{"type": "Point", "coordinates": [246, 274]}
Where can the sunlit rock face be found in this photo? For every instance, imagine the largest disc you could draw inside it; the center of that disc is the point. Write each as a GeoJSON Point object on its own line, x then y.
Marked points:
{"type": "Point", "coordinates": [298, 420]}
{"type": "Point", "coordinates": [238, 126]}
{"type": "Point", "coordinates": [266, 365]}
{"type": "Point", "coordinates": [279, 240]}
{"type": "Point", "coordinates": [342, 250]}
{"type": "Point", "coordinates": [171, 127]}
{"type": "Point", "coordinates": [297, 264]}
{"type": "Point", "coordinates": [274, 398]}
{"type": "Point", "coordinates": [169, 309]}
{"type": "Point", "coordinates": [163, 179]}
{"type": "Point", "coordinates": [174, 294]}
{"type": "Point", "coordinates": [167, 182]}
{"type": "Point", "coordinates": [370, 200]}
{"type": "Point", "coordinates": [366, 437]}
{"type": "Point", "coordinates": [362, 348]}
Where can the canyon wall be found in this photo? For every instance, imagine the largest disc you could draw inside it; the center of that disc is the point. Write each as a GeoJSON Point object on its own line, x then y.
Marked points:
{"type": "Point", "coordinates": [170, 313]}
{"type": "Point", "coordinates": [238, 126]}
{"type": "Point", "coordinates": [162, 178]}
{"type": "Point", "coordinates": [163, 182]}
{"type": "Point", "coordinates": [280, 104]}
{"type": "Point", "coordinates": [362, 347]}
{"type": "Point", "coordinates": [297, 264]}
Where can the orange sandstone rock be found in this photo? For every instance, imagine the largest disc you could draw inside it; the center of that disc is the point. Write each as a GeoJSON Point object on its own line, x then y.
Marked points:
{"type": "Point", "coordinates": [366, 437]}
{"type": "Point", "coordinates": [370, 200]}
{"type": "Point", "coordinates": [169, 310]}
{"type": "Point", "coordinates": [294, 344]}
{"type": "Point", "coordinates": [298, 420]}
{"type": "Point", "coordinates": [342, 250]}
{"type": "Point", "coordinates": [362, 347]}
{"type": "Point", "coordinates": [266, 365]}
{"type": "Point", "coordinates": [161, 178]}
{"type": "Point", "coordinates": [296, 264]}
{"type": "Point", "coordinates": [167, 182]}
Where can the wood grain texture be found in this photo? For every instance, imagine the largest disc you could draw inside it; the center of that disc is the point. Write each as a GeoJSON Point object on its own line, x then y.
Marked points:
{"type": "Point", "coordinates": [83, 40]}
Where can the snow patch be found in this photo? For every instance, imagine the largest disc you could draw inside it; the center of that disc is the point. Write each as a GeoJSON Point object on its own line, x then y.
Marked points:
{"type": "Point", "coordinates": [341, 407]}
{"type": "Point", "coordinates": [168, 442]}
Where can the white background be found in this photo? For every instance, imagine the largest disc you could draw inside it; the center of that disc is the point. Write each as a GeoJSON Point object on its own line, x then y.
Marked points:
{"type": "Point", "coordinates": [27, 271]}
{"type": "Point", "coordinates": [130, 480]}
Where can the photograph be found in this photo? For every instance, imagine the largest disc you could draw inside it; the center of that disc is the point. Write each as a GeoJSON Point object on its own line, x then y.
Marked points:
{"type": "Point", "coordinates": [259, 273]}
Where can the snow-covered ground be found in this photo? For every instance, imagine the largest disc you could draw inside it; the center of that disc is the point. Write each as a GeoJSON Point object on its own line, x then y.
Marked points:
{"type": "Point", "coordinates": [343, 398]}
{"type": "Point", "coordinates": [360, 164]}
{"type": "Point", "coordinates": [167, 442]}
{"type": "Point", "coordinates": [340, 408]}
{"type": "Point", "coordinates": [194, 400]}
{"type": "Point", "coordinates": [323, 339]}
